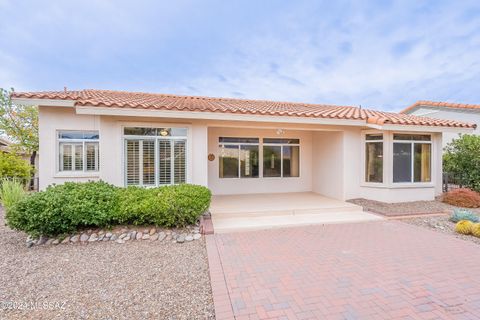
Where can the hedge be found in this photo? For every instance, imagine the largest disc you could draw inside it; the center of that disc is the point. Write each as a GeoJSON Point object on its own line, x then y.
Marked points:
{"type": "Point", "coordinates": [65, 208]}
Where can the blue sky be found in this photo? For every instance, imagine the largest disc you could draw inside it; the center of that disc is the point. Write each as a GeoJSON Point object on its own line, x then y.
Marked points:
{"type": "Point", "coordinates": [378, 54]}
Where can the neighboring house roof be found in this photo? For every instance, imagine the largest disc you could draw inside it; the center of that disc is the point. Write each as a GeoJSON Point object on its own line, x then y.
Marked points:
{"type": "Point", "coordinates": [154, 101]}
{"type": "Point", "coordinates": [435, 104]}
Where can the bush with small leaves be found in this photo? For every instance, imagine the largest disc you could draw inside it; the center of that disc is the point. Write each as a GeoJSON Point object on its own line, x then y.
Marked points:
{"type": "Point", "coordinates": [464, 227]}
{"type": "Point", "coordinates": [463, 214]}
{"type": "Point", "coordinates": [463, 197]}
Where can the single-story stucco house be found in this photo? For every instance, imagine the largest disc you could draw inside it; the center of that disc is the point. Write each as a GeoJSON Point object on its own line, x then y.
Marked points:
{"type": "Point", "coordinates": [447, 111]}
{"type": "Point", "coordinates": [236, 146]}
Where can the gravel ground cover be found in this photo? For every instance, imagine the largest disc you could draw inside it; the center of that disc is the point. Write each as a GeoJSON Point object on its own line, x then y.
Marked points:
{"type": "Point", "coordinates": [406, 208]}
{"type": "Point", "coordinates": [440, 224]}
{"type": "Point", "coordinates": [103, 280]}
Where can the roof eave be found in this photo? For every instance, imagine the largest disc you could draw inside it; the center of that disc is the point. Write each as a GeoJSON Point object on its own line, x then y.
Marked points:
{"type": "Point", "coordinates": [205, 115]}
{"type": "Point", "coordinates": [44, 102]}
{"type": "Point", "coordinates": [421, 128]}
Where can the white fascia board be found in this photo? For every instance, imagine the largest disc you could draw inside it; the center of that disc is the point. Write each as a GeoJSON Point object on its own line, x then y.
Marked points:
{"type": "Point", "coordinates": [44, 102]}
{"type": "Point", "coordinates": [212, 116]}
{"type": "Point", "coordinates": [393, 127]}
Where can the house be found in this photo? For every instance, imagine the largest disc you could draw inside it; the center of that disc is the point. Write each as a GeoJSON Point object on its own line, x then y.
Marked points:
{"type": "Point", "coordinates": [238, 146]}
{"type": "Point", "coordinates": [448, 111]}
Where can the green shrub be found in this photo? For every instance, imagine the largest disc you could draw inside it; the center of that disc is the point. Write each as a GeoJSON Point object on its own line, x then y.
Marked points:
{"type": "Point", "coordinates": [462, 159]}
{"type": "Point", "coordinates": [167, 206]}
{"type": "Point", "coordinates": [13, 166]}
{"type": "Point", "coordinates": [64, 208]}
{"type": "Point", "coordinates": [11, 192]}
{"type": "Point", "coordinates": [463, 214]}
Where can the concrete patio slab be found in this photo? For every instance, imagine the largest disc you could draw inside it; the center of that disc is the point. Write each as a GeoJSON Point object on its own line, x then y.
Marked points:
{"type": "Point", "coordinates": [375, 270]}
{"type": "Point", "coordinates": [232, 213]}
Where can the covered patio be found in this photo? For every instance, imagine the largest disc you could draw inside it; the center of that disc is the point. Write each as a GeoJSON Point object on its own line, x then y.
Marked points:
{"type": "Point", "coordinates": [243, 212]}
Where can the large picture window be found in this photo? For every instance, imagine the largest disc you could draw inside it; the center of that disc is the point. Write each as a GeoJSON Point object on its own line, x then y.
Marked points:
{"type": "Point", "coordinates": [281, 157]}
{"type": "Point", "coordinates": [155, 156]}
{"type": "Point", "coordinates": [238, 157]}
{"type": "Point", "coordinates": [412, 158]}
{"type": "Point", "coordinates": [374, 158]}
{"type": "Point", "coordinates": [78, 151]}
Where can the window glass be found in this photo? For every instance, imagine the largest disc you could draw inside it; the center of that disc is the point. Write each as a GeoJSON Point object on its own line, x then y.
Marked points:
{"type": "Point", "coordinates": [179, 172]}
{"type": "Point", "coordinates": [66, 157]}
{"type": "Point", "coordinates": [374, 136]}
{"type": "Point", "coordinates": [374, 162]}
{"type": "Point", "coordinates": [132, 157]}
{"type": "Point", "coordinates": [281, 141]}
{"type": "Point", "coordinates": [291, 161]}
{"type": "Point", "coordinates": [249, 161]}
{"type": "Point", "coordinates": [272, 163]}
{"type": "Point", "coordinates": [164, 161]}
{"type": "Point", "coordinates": [422, 162]}
{"type": "Point", "coordinates": [402, 162]}
{"type": "Point", "coordinates": [411, 137]}
{"type": "Point", "coordinates": [91, 156]}
{"type": "Point", "coordinates": [159, 132]}
{"type": "Point", "coordinates": [148, 155]}
{"type": "Point", "coordinates": [79, 135]}
{"type": "Point", "coordinates": [229, 161]}
{"type": "Point", "coordinates": [237, 140]}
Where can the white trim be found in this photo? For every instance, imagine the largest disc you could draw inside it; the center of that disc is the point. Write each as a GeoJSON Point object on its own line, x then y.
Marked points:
{"type": "Point", "coordinates": [44, 102]}
{"type": "Point", "coordinates": [212, 116]}
{"type": "Point", "coordinates": [427, 129]}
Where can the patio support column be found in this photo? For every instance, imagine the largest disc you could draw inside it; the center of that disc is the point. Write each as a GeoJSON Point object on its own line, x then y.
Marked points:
{"type": "Point", "coordinates": [199, 150]}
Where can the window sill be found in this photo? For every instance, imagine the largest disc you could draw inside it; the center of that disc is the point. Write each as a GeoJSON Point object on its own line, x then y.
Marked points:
{"type": "Point", "coordinates": [77, 175]}
{"type": "Point", "coordinates": [398, 185]}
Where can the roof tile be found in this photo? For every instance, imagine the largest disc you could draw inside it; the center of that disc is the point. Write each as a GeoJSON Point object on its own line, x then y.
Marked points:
{"type": "Point", "coordinates": [138, 100]}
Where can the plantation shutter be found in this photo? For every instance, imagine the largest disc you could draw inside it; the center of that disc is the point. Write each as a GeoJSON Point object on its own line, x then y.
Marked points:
{"type": "Point", "coordinates": [148, 154]}
{"type": "Point", "coordinates": [65, 157]}
{"type": "Point", "coordinates": [165, 162]}
{"type": "Point", "coordinates": [91, 156]}
{"type": "Point", "coordinates": [132, 151]}
{"type": "Point", "coordinates": [179, 162]}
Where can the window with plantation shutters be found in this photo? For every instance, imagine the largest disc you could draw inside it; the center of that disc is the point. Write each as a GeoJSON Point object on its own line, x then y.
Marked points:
{"type": "Point", "coordinates": [78, 151]}
{"type": "Point", "coordinates": [155, 156]}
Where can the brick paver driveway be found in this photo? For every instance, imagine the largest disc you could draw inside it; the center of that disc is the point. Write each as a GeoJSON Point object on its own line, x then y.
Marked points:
{"type": "Point", "coordinates": [376, 270]}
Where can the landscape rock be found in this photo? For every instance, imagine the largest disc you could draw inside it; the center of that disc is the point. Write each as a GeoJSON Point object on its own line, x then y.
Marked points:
{"type": "Point", "coordinates": [56, 241]}
{"type": "Point", "coordinates": [100, 237]}
{"type": "Point", "coordinates": [49, 242]}
{"type": "Point", "coordinates": [139, 235]}
{"type": "Point", "coordinates": [161, 236]}
{"type": "Point", "coordinates": [42, 240]}
{"type": "Point", "coordinates": [197, 236]}
{"type": "Point", "coordinates": [180, 238]}
{"type": "Point", "coordinates": [93, 237]}
{"type": "Point", "coordinates": [146, 237]}
{"type": "Point", "coordinates": [123, 235]}
{"type": "Point", "coordinates": [30, 243]}
{"type": "Point", "coordinates": [152, 231]}
{"type": "Point", "coordinates": [113, 237]}
{"type": "Point", "coordinates": [189, 238]}
{"type": "Point", "coordinates": [74, 238]}
{"type": "Point", "coordinates": [66, 240]}
{"type": "Point", "coordinates": [108, 234]}
{"type": "Point", "coordinates": [84, 237]}
{"type": "Point", "coordinates": [126, 238]}
{"type": "Point", "coordinates": [133, 235]}
{"type": "Point", "coordinates": [154, 237]}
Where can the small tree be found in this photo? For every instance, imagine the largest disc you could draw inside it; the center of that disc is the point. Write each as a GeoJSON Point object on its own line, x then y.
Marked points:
{"type": "Point", "coordinates": [14, 167]}
{"type": "Point", "coordinates": [462, 159]}
{"type": "Point", "coordinates": [20, 124]}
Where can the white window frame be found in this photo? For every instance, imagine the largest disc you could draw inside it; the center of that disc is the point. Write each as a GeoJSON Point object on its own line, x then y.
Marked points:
{"type": "Point", "coordinates": [388, 160]}
{"type": "Point", "coordinates": [141, 138]}
{"type": "Point", "coordinates": [364, 174]}
{"type": "Point", "coordinates": [73, 143]}
{"type": "Point", "coordinates": [281, 156]}
{"type": "Point", "coordinates": [238, 145]}
{"type": "Point", "coordinates": [412, 158]}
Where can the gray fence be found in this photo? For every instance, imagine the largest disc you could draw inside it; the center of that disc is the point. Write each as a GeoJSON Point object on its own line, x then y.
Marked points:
{"type": "Point", "coordinates": [453, 181]}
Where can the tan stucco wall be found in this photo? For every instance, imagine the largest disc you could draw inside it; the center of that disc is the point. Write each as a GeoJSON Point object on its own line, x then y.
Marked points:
{"type": "Point", "coordinates": [331, 157]}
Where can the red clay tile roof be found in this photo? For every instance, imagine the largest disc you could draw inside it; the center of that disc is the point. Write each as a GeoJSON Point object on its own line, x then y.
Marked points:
{"type": "Point", "coordinates": [137, 100]}
{"type": "Point", "coordinates": [441, 104]}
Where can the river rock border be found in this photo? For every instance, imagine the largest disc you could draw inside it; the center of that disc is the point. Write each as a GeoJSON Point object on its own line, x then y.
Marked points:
{"type": "Point", "coordinates": [121, 236]}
